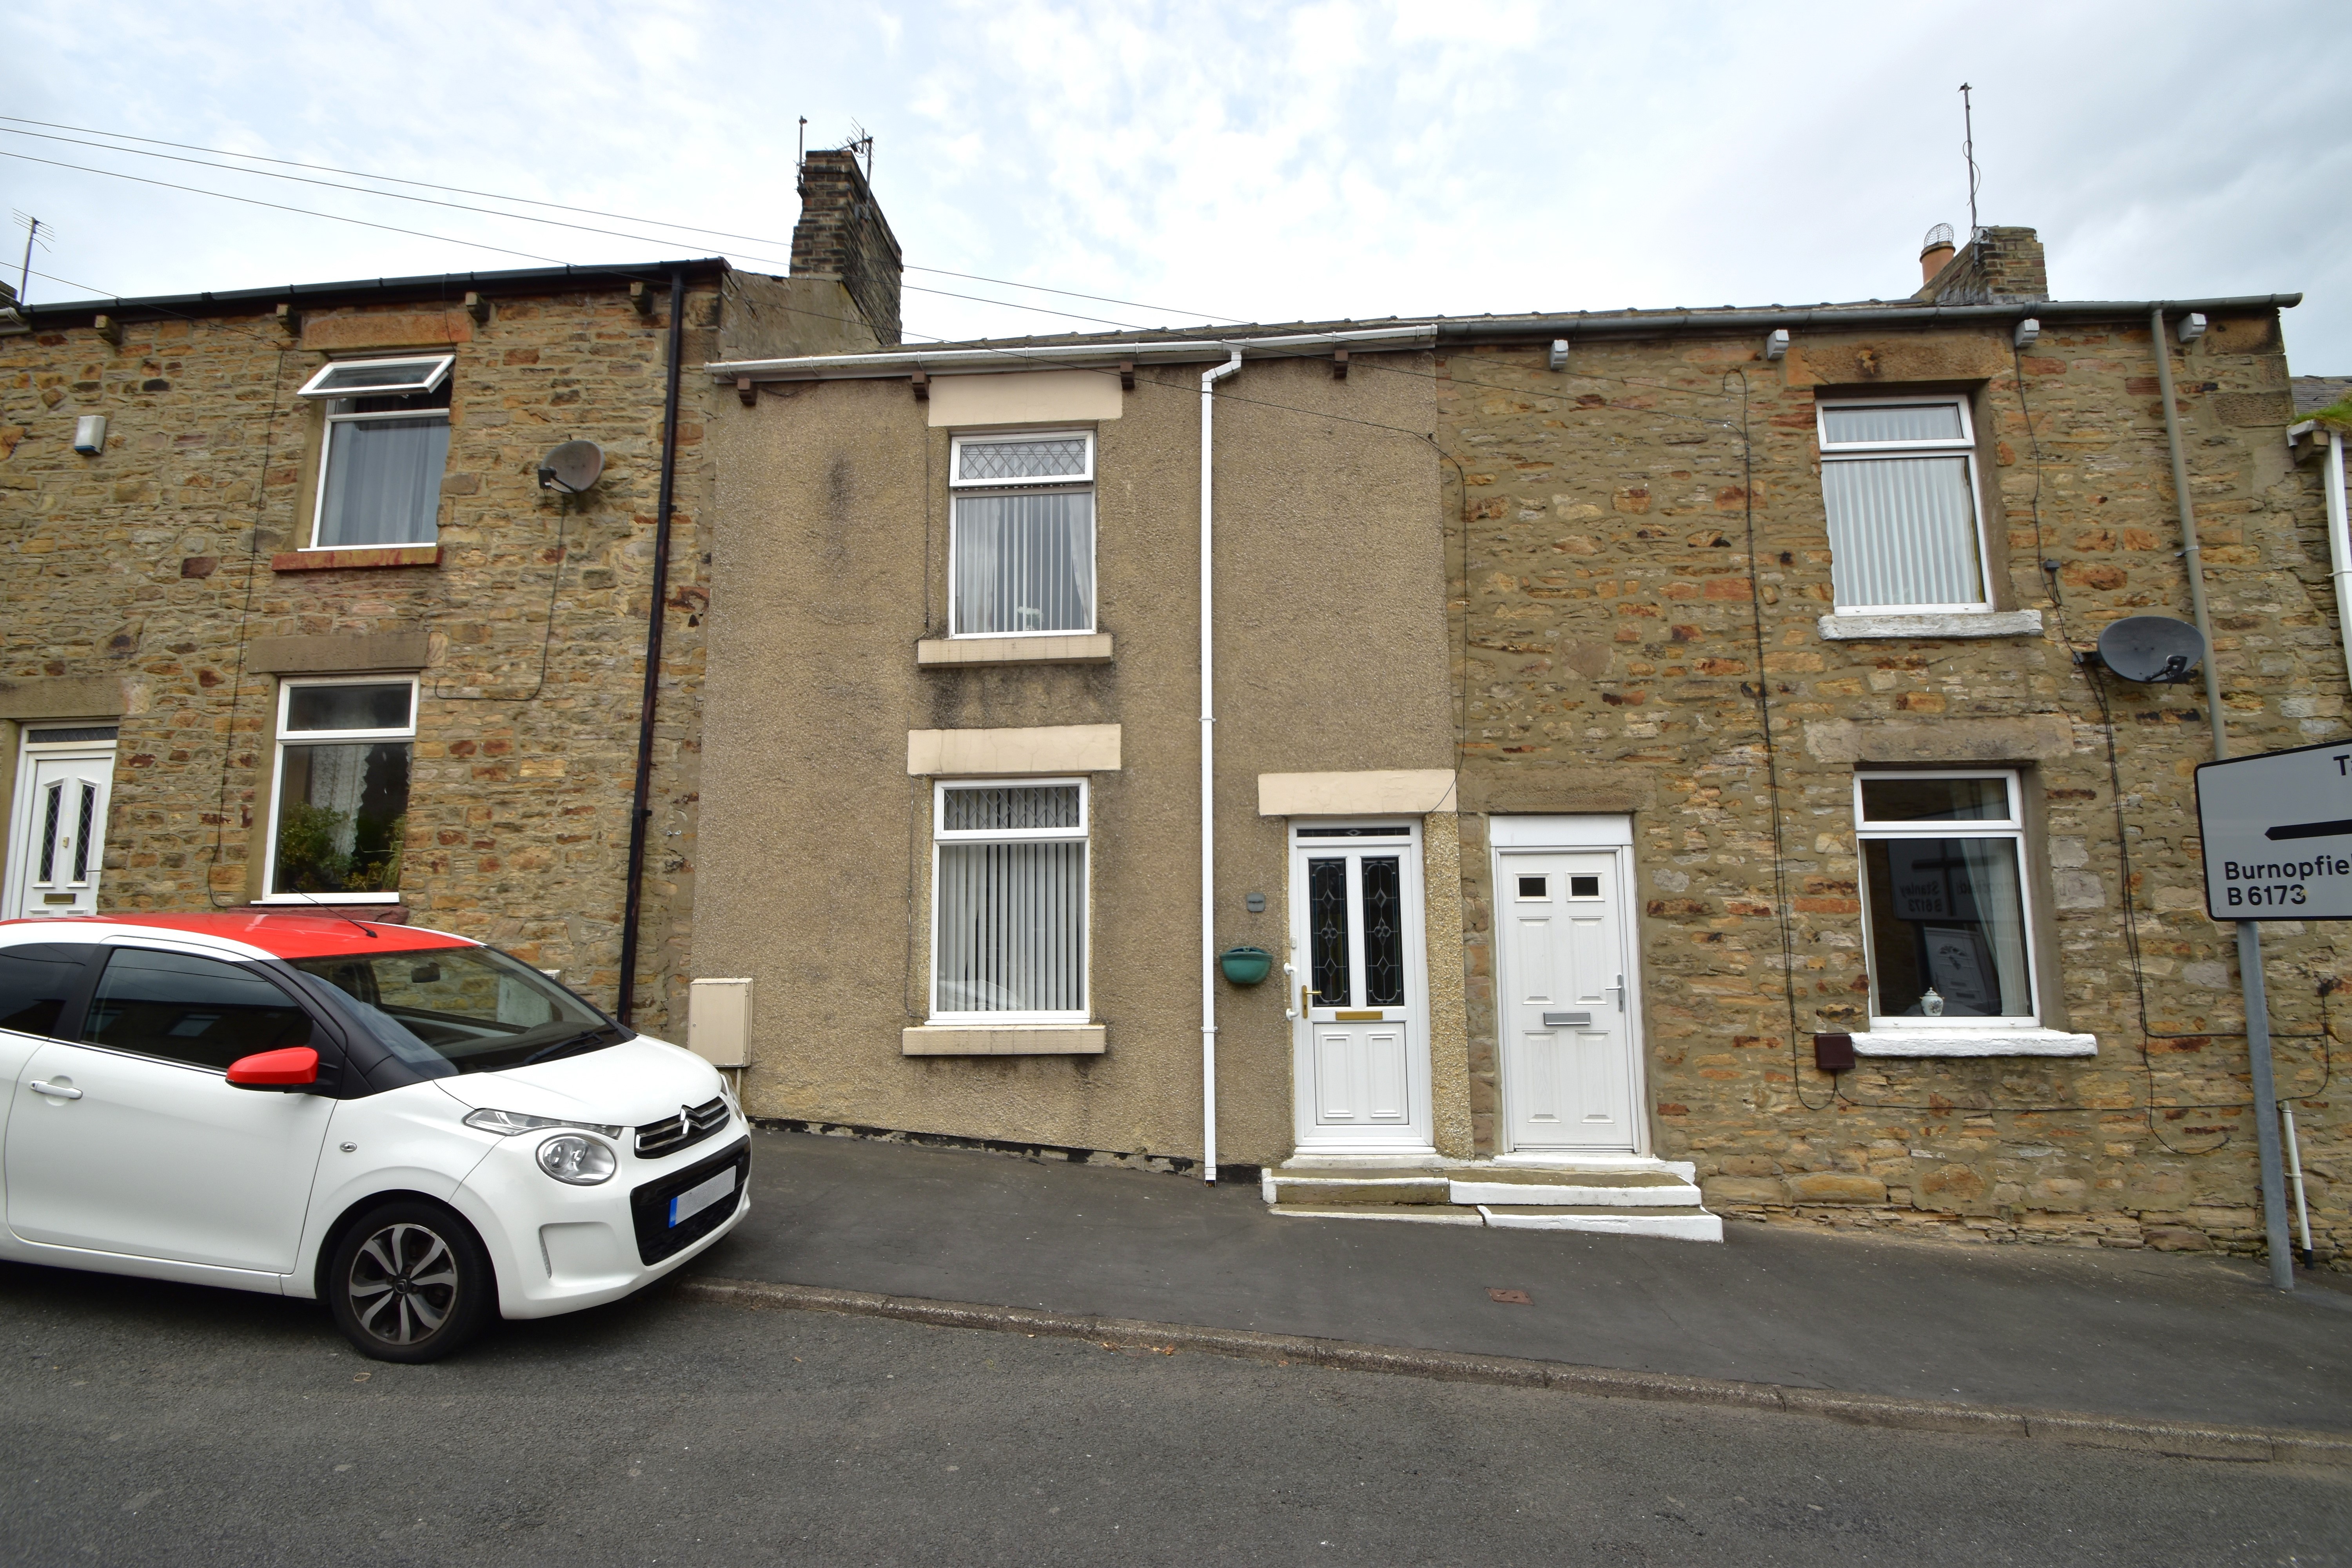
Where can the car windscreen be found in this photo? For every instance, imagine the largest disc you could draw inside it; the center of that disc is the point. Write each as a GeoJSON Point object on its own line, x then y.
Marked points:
{"type": "Point", "coordinates": [470, 1009]}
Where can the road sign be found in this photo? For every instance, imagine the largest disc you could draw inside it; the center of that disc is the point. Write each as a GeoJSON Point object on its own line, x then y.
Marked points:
{"type": "Point", "coordinates": [2278, 835]}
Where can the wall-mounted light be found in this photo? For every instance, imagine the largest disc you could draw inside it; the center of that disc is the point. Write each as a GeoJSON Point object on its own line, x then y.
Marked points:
{"type": "Point", "coordinates": [90, 435]}
{"type": "Point", "coordinates": [1775, 343]}
{"type": "Point", "coordinates": [2027, 331]}
{"type": "Point", "coordinates": [1558, 360]}
{"type": "Point", "coordinates": [2192, 326]}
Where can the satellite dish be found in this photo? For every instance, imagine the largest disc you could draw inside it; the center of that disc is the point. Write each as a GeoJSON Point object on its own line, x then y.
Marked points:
{"type": "Point", "coordinates": [2152, 648]}
{"type": "Point", "coordinates": [572, 467]}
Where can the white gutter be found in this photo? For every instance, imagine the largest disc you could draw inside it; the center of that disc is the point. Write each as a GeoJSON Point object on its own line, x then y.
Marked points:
{"type": "Point", "coordinates": [1067, 356]}
{"type": "Point", "coordinates": [1209, 379]}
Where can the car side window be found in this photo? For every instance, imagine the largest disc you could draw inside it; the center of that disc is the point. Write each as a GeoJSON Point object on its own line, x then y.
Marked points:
{"type": "Point", "coordinates": [37, 980]}
{"type": "Point", "coordinates": [188, 1009]}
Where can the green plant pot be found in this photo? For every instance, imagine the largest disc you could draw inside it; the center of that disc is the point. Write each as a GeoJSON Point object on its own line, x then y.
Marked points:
{"type": "Point", "coordinates": [1246, 965]}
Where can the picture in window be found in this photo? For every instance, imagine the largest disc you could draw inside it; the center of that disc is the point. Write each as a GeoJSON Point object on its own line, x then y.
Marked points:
{"type": "Point", "coordinates": [1021, 551]}
{"type": "Point", "coordinates": [341, 797]}
{"type": "Point", "coordinates": [1010, 902]}
{"type": "Point", "coordinates": [386, 445]}
{"type": "Point", "coordinates": [1944, 897]}
{"type": "Point", "coordinates": [1898, 481]}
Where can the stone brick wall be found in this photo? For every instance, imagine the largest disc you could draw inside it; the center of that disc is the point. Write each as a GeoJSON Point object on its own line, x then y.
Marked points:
{"type": "Point", "coordinates": [842, 233]}
{"type": "Point", "coordinates": [151, 565]}
{"type": "Point", "coordinates": [1609, 608]}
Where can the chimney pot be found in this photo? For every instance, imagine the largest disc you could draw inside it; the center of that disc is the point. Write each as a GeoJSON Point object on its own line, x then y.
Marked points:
{"type": "Point", "coordinates": [1935, 251]}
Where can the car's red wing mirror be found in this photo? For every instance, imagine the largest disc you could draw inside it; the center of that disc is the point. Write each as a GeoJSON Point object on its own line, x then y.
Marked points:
{"type": "Point", "coordinates": [293, 1069]}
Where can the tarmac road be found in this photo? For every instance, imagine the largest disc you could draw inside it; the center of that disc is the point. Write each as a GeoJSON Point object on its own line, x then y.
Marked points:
{"type": "Point", "coordinates": [145, 1424]}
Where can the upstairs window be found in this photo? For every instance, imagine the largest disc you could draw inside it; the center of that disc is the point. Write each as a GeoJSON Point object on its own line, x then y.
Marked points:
{"type": "Point", "coordinates": [1944, 899]}
{"type": "Point", "coordinates": [1899, 482]}
{"type": "Point", "coordinates": [1021, 554]}
{"type": "Point", "coordinates": [387, 442]}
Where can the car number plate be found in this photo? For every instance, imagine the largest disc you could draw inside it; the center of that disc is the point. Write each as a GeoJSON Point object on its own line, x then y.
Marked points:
{"type": "Point", "coordinates": [695, 1199]}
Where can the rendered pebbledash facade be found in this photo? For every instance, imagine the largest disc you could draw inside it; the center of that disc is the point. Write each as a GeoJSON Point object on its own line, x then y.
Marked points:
{"type": "Point", "coordinates": [1609, 714]}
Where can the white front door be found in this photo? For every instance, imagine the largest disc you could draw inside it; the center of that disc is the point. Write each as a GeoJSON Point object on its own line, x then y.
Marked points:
{"type": "Point", "coordinates": [56, 835]}
{"type": "Point", "coordinates": [1569, 1017]}
{"type": "Point", "coordinates": [1362, 1046]}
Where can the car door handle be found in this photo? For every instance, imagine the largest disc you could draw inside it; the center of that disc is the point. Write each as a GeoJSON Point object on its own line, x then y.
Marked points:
{"type": "Point", "coordinates": [60, 1090]}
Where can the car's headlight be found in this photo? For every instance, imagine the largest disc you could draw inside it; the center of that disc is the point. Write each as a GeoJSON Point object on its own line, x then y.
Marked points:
{"type": "Point", "coordinates": [581, 1161]}
{"type": "Point", "coordinates": [507, 1123]}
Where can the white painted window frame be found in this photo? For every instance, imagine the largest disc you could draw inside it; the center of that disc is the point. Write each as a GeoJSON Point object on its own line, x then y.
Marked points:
{"type": "Point", "coordinates": [429, 381]}
{"type": "Point", "coordinates": [1057, 484]}
{"type": "Point", "coordinates": [1082, 834]}
{"type": "Point", "coordinates": [282, 736]}
{"type": "Point", "coordinates": [1965, 445]}
{"type": "Point", "coordinates": [2011, 828]}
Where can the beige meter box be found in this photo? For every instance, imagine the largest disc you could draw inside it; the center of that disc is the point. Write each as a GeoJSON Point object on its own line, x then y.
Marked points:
{"type": "Point", "coordinates": [719, 1021]}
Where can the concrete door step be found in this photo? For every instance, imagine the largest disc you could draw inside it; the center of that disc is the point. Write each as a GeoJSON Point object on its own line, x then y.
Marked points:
{"type": "Point", "coordinates": [1690, 1223]}
{"type": "Point", "coordinates": [1416, 1214]}
{"type": "Point", "coordinates": [1324, 1190]}
{"type": "Point", "coordinates": [1574, 1195]}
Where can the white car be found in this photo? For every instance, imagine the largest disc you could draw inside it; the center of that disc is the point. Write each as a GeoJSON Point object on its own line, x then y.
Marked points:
{"type": "Point", "coordinates": [416, 1128]}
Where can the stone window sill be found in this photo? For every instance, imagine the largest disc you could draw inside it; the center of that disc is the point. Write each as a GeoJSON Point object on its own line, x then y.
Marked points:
{"type": "Point", "coordinates": [1937, 624]}
{"type": "Point", "coordinates": [344, 560]}
{"type": "Point", "coordinates": [1069, 647]}
{"type": "Point", "coordinates": [1003, 1040]}
{"type": "Point", "coordinates": [1975, 1043]}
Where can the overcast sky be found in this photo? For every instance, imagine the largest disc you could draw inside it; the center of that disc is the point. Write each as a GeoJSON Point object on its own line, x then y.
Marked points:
{"type": "Point", "coordinates": [1259, 162]}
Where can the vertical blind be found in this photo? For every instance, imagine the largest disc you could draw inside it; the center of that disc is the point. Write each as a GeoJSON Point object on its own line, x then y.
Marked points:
{"type": "Point", "coordinates": [1024, 563]}
{"type": "Point", "coordinates": [384, 481]}
{"type": "Point", "coordinates": [1902, 531]}
{"type": "Point", "coordinates": [1012, 911]}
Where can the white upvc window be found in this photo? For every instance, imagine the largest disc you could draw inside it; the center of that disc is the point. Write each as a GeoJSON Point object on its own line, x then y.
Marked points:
{"type": "Point", "coordinates": [1899, 483]}
{"type": "Point", "coordinates": [1009, 901]}
{"type": "Point", "coordinates": [1021, 542]}
{"type": "Point", "coordinates": [387, 443]}
{"type": "Point", "coordinates": [339, 813]}
{"type": "Point", "coordinates": [1947, 907]}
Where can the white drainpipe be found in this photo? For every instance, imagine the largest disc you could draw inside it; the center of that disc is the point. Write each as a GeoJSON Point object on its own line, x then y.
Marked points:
{"type": "Point", "coordinates": [1209, 379]}
{"type": "Point", "coordinates": [2339, 544]}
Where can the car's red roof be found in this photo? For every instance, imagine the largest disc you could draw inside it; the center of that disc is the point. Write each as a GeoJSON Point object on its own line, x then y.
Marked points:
{"type": "Point", "coordinates": [292, 934]}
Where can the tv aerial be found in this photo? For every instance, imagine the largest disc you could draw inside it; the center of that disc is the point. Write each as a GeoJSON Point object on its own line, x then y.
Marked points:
{"type": "Point", "coordinates": [572, 467]}
{"type": "Point", "coordinates": [2152, 649]}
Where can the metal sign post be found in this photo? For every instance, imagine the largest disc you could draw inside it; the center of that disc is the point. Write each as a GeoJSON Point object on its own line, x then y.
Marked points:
{"type": "Point", "coordinates": [2278, 846]}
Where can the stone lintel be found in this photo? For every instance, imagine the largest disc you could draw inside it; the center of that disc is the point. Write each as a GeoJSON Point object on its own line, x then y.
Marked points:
{"type": "Point", "coordinates": [1362, 792]}
{"type": "Point", "coordinates": [344, 560]}
{"type": "Point", "coordinates": [2043, 737]}
{"type": "Point", "coordinates": [1557, 788]}
{"type": "Point", "coordinates": [388, 330]}
{"type": "Point", "coordinates": [1048, 749]}
{"type": "Point", "coordinates": [328, 654]}
{"type": "Point", "coordinates": [1008, 1040]}
{"type": "Point", "coordinates": [64, 697]}
{"type": "Point", "coordinates": [1933, 623]}
{"type": "Point", "coordinates": [1073, 647]}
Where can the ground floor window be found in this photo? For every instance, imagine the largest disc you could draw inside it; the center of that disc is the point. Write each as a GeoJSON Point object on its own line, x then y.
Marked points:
{"type": "Point", "coordinates": [1945, 898]}
{"type": "Point", "coordinates": [1009, 901]}
{"type": "Point", "coordinates": [340, 809]}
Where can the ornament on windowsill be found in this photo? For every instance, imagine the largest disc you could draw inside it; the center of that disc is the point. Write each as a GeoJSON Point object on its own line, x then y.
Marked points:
{"type": "Point", "coordinates": [1931, 1004]}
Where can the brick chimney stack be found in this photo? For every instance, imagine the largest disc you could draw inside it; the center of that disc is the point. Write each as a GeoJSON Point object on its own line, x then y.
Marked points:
{"type": "Point", "coordinates": [842, 234]}
{"type": "Point", "coordinates": [1998, 264]}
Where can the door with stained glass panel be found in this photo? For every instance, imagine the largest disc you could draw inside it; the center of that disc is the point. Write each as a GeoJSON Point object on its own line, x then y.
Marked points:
{"type": "Point", "coordinates": [56, 840]}
{"type": "Point", "coordinates": [1363, 1043]}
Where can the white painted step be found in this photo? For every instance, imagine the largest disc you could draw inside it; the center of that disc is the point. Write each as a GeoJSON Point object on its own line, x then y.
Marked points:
{"type": "Point", "coordinates": [1568, 1192]}
{"type": "Point", "coordinates": [1684, 1226]}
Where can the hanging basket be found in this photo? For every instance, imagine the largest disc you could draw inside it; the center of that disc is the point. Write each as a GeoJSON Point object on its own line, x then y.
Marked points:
{"type": "Point", "coordinates": [1246, 965]}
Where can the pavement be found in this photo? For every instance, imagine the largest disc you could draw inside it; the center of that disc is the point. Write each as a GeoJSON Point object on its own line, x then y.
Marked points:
{"type": "Point", "coordinates": [147, 1423]}
{"type": "Point", "coordinates": [2140, 1335]}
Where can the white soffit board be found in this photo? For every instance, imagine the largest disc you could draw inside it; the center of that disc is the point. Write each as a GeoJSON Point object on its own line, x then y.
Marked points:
{"type": "Point", "coordinates": [1595, 832]}
{"type": "Point", "coordinates": [1057, 749]}
{"type": "Point", "coordinates": [1025, 397]}
{"type": "Point", "coordinates": [1363, 792]}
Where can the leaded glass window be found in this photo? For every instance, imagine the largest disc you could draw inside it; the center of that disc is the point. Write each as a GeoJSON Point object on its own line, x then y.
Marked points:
{"type": "Point", "coordinates": [1009, 902]}
{"type": "Point", "coordinates": [1383, 931]}
{"type": "Point", "coordinates": [1326, 930]}
{"type": "Point", "coordinates": [1022, 545]}
{"type": "Point", "coordinates": [1899, 483]}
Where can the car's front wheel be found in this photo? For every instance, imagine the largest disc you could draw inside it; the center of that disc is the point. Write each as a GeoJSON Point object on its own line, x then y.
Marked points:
{"type": "Point", "coordinates": [409, 1281]}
